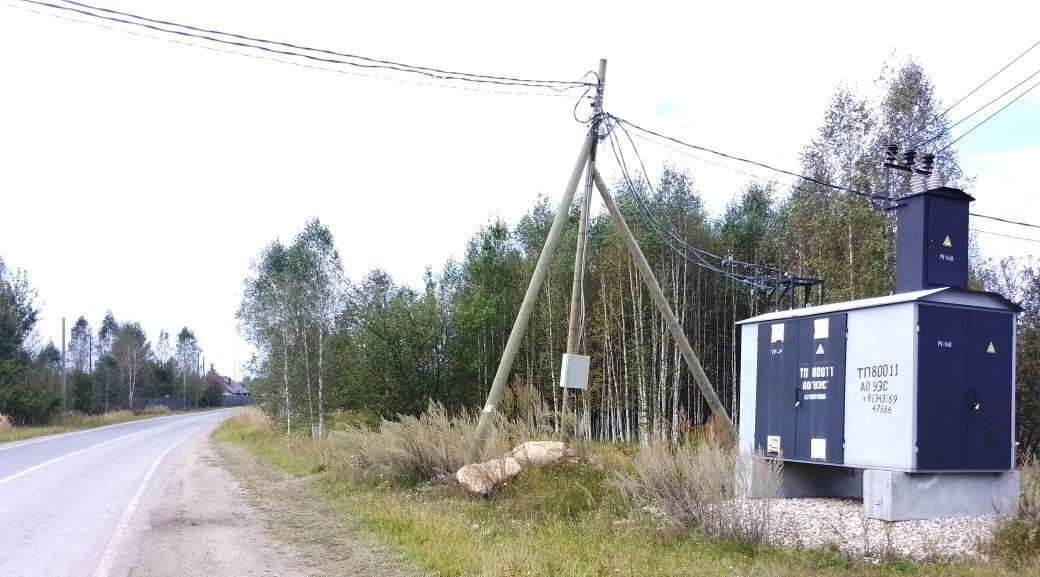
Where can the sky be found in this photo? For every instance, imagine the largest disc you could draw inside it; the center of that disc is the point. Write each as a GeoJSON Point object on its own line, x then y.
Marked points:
{"type": "Point", "coordinates": [144, 175]}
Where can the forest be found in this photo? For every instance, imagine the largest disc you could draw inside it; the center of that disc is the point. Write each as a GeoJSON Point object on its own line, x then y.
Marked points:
{"type": "Point", "coordinates": [373, 346]}
{"type": "Point", "coordinates": [109, 369]}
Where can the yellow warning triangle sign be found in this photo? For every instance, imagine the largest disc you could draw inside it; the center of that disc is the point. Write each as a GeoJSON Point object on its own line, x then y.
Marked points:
{"type": "Point", "coordinates": [947, 242]}
{"type": "Point", "coordinates": [991, 348]}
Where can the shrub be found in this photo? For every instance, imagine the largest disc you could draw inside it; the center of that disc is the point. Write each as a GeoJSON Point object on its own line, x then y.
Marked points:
{"type": "Point", "coordinates": [430, 447]}
{"type": "Point", "coordinates": [408, 450]}
{"type": "Point", "coordinates": [1017, 539]}
{"type": "Point", "coordinates": [705, 486]}
{"type": "Point", "coordinates": [253, 417]}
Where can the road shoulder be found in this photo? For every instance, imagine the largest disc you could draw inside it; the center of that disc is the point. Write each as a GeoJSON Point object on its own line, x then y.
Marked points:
{"type": "Point", "coordinates": [223, 512]}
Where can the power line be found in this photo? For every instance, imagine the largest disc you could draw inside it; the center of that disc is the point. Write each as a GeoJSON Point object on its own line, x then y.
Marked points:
{"type": "Point", "coordinates": [807, 178]}
{"type": "Point", "coordinates": [651, 186]}
{"type": "Point", "coordinates": [998, 111]}
{"type": "Point", "coordinates": [1004, 220]}
{"type": "Point", "coordinates": [1006, 235]}
{"type": "Point", "coordinates": [464, 87]}
{"type": "Point", "coordinates": [669, 236]}
{"type": "Point", "coordinates": [980, 109]}
{"type": "Point", "coordinates": [752, 175]}
{"type": "Point", "coordinates": [753, 162]}
{"type": "Point", "coordinates": [382, 63]}
{"type": "Point", "coordinates": [375, 64]}
{"type": "Point", "coordinates": [973, 91]}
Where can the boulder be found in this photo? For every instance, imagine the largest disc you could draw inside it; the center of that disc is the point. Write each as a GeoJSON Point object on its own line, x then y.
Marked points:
{"type": "Point", "coordinates": [538, 453]}
{"type": "Point", "coordinates": [481, 478]}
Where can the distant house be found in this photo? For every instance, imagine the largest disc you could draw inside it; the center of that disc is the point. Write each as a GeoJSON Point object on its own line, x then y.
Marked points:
{"type": "Point", "coordinates": [233, 389]}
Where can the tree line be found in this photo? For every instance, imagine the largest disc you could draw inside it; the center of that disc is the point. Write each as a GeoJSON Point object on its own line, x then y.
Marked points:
{"type": "Point", "coordinates": [375, 346]}
{"type": "Point", "coordinates": [108, 369]}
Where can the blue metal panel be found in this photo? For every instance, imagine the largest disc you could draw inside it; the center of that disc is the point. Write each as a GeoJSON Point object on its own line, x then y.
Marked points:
{"type": "Point", "coordinates": [988, 435]}
{"type": "Point", "coordinates": [820, 410]}
{"type": "Point", "coordinates": [942, 391]}
{"type": "Point", "coordinates": [777, 385]}
{"type": "Point", "coordinates": [947, 238]}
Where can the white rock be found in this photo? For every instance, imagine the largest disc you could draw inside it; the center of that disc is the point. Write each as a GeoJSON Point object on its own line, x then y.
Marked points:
{"type": "Point", "coordinates": [538, 453]}
{"type": "Point", "coordinates": [481, 478]}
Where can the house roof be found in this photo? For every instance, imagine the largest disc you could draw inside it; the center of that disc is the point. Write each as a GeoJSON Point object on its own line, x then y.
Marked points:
{"type": "Point", "coordinates": [234, 388]}
{"type": "Point", "coordinates": [946, 295]}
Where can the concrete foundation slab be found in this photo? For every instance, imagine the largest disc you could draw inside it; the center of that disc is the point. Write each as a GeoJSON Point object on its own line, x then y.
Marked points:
{"type": "Point", "coordinates": [898, 496]}
{"type": "Point", "coordinates": [802, 480]}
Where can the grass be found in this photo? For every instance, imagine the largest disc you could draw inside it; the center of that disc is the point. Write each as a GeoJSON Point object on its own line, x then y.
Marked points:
{"type": "Point", "coordinates": [76, 421]}
{"type": "Point", "coordinates": [557, 521]}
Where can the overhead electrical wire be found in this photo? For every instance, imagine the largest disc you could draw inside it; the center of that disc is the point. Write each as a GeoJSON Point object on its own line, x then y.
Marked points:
{"type": "Point", "coordinates": [752, 175]}
{"type": "Point", "coordinates": [855, 192]}
{"type": "Point", "coordinates": [966, 96]}
{"type": "Point", "coordinates": [1004, 220]}
{"type": "Point", "coordinates": [684, 249]}
{"type": "Point", "coordinates": [752, 162]}
{"type": "Point", "coordinates": [996, 112]}
{"type": "Point", "coordinates": [378, 63]}
{"type": "Point", "coordinates": [980, 109]}
{"type": "Point", "coordinates": [642, 166]}
{"type": "Point", "coordinates": [1006, 235]}
{"type": "Point", "coordinates": [354, 61]}
{"type": "Point", "coordinates": [463, 87]}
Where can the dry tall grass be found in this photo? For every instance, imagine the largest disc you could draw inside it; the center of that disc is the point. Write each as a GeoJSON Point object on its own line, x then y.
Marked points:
{"type": "Point", "coordinates": [1017, 539]}
{"type": "Point", "coordinates": [705, 486]}
{"type": "Point", "coordinates": [430, 447]}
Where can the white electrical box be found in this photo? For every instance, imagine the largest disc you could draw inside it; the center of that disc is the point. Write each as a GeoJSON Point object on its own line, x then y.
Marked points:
{"type": "Point", "coordinates": [574, 372]}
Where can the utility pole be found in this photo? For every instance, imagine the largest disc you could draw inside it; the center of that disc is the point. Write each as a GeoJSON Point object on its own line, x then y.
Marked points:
{"type": "Point", "coordinates": [64, 380]}
{"type": "Point", "coordinates": [586, 163]}
{"type": "Point", "coordinates": [576, 322]}
{"type": "Point", "coordinates": [541, 268]}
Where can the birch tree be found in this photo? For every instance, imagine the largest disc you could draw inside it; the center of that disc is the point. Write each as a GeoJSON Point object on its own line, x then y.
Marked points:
{"type": "Point", "coordinates": [131, 350]}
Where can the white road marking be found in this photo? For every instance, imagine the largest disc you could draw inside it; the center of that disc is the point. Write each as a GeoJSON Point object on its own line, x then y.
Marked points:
{"type": "Point", "coordinates": [74, 453]}
{"type": "Point", "coordinates": [116, 542]}
{"type": "Point", "coordinates": [90, 430]}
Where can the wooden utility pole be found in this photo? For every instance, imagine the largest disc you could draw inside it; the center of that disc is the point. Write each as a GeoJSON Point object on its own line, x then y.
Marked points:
{"type": "Point", "coordinates": [576, 322]}
{"type": "Point", "coordinates": [587, 163]}
{"type": "Point", "coordinates": [64, 371]}
{"type": "Point", "coordinates": [699, 376]}
{"type": "Point", "coordinates": [498, 386]}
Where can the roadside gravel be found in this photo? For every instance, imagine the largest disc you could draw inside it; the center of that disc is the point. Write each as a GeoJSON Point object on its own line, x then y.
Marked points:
{"type": "Point", "coordinates": [223, 514]}
{"type": "Point", "coordinates": [841, 524]}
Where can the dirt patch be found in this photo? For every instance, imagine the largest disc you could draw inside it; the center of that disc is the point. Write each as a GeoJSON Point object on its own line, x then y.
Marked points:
{"type": "Point", "coordinates": [298, 515]}
{"type": "Point", "coordinates": [223, 513]}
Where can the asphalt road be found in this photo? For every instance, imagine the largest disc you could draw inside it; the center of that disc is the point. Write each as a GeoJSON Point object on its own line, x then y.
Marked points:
{"type": "Point", "coordinates": [75, 504]}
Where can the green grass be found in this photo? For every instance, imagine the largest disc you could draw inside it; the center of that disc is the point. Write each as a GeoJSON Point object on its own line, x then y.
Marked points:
{"type": "Point", "coordinates": [558, 521]}
{"type": "Point", "coordinates": [78, 422]}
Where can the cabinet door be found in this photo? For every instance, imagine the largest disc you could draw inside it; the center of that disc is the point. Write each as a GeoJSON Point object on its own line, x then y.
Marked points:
{"type": "Point", "coordinates": [820, 408]}
{"type": "Point", "coordinates": [947, 260]}
{"type": "Point", "coordinates": [942, 391]}
{"type": "Point", "coordinates": [776, 385]}
{"type": "Point", "coordinates": [988, 435]}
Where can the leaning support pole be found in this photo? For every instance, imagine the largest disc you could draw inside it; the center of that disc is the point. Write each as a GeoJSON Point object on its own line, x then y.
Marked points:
{"type": "Point", "coordinates": [530, 297]}
{"type": "Point", "coordinates": [577, 313]}
{"type": "Point", "coordinates": [666, 310]}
